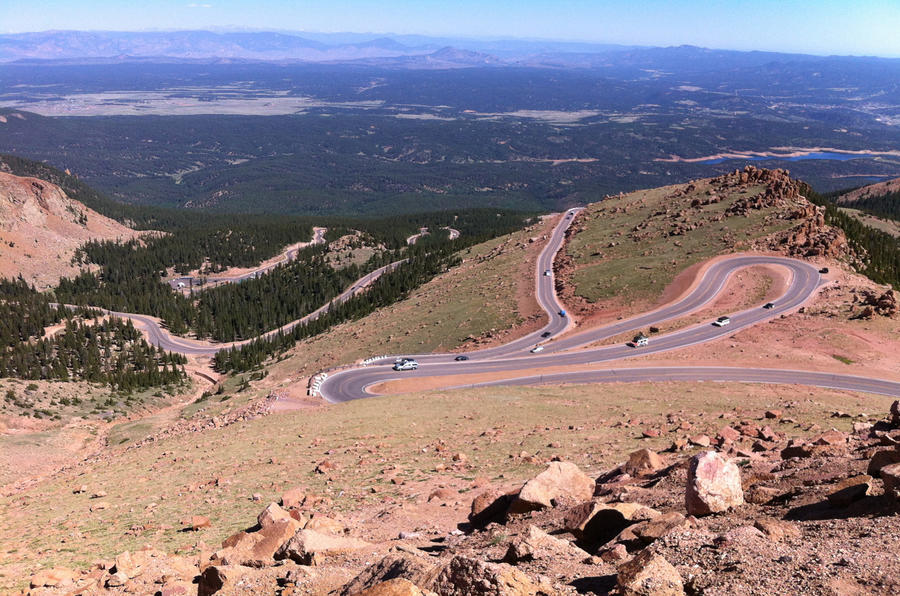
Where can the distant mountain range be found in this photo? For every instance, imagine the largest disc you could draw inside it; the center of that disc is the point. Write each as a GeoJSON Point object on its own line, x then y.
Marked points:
{"type": "Point", "coordinates": [399, 51]}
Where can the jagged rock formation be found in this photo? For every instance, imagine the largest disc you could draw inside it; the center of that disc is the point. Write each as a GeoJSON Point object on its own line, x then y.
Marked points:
{"type": "Point", "coordinates": [884, 304]}
{"type": "Point", "coordinates": [811, 237]}
{"type": "Point", "coordinates": [40, 228]}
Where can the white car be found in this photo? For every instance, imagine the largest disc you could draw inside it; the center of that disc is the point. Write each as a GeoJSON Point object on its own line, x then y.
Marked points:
{"type": "Point", "coordinates": [537, 349]}
{"type": "Point", "coordinates": [640, 341]}
{"type": "Point", "coordinates": [548, 273]}
{"type": "Point", "coordinates": [406, 365]}
{"type": "Point", "coordinates": [722, 321]}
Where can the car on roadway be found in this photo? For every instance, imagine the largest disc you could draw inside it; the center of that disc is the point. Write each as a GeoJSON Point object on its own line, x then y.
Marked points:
{"type": "Point", "coordinates": [537, 349]}
{"type": "Point", "coordinates": [547, 273]}
{"type": "Point", "coordinates": [722, 321]}
{"type": "Point", "coordinates": [562, 313]}
{"type": "Point", "coordinates": [461, 358]}
{"type": "Point", "coordinates": [406, 364]}
{"type": "Point", "coordinates": [769, 305]}
{"type": "Point", "coordinates": [640, 341]}
{"type": "Point", "coordinates": [546, 334]}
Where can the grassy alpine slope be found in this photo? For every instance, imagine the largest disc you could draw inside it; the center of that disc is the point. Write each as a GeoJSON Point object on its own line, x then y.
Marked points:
{"type": "Point", "coordinates": [630, 248]}
{"type": "Point", "coordinates": [378, 461]}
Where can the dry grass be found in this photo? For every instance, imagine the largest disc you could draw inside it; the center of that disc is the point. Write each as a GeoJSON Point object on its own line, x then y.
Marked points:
{"type": "Point", "coordinates": [637, 272]}
{"type": "Point", "coordinates": [151, 488]}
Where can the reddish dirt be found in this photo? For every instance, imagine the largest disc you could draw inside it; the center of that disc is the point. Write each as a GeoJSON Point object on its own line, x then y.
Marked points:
{"type": "Point", "coordinates": [40, 228]}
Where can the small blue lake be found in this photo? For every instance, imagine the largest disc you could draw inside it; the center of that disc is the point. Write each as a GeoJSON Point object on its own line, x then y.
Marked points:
{"type": "Point", "coordinates": [814, 155]}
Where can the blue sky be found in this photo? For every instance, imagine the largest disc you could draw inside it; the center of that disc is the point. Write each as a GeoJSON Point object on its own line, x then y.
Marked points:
{"type": "Point", "coordinates": [815, 26]}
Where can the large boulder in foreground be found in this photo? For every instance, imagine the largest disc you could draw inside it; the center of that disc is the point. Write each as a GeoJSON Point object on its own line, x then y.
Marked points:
{"type": "Point", "coordinates": [560, 481]}
{"type": "Point", "coordinates": [470, 577]}
{"type": "Point", "coordinates": [221, 579]}
{"type": "Point", "coordinates": [539, 545]}
{"type": "Point", "coordinates": [488, 506]}
{"type": "Point", "coordinates": [395, 587]}
{"type": "Point", "coordinates": [713, 484]}
{"type": "Point", "coordinates": [398, 564]}
{"type": "Point", "coordinates": [308, 547]}
{"type": "Point", "coordinates": [891, 476]}
{"type": "Point", "coordinates": [597, 523]}
{"type": "Point", "coordinates": [271, 514]}
{"type": "Point", "coordinates": [53, 578]}
{"type": "Point", "coordinates": [256, 549]}
{"type": "Point", "coordinates": [649, 574]}
{"type": "Point", "coordinates": [643, 462]}
{"type": "Point", "coordinates": [881, 459]}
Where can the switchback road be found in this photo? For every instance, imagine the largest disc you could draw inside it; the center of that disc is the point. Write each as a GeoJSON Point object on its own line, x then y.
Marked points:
{"type": "Point", "coordinates": [572, 350]}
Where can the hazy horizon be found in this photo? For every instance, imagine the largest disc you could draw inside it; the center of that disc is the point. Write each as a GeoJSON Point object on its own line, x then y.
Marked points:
{"type": "Point", "coordinates": [823, 27]}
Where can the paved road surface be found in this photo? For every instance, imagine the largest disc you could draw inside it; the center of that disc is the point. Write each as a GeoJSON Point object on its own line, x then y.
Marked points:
{"type": "Point", "coordinates": [515, 356]}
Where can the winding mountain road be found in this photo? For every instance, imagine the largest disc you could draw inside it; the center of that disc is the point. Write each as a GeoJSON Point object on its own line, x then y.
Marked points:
{"type": "Point", "coordinates": [517, 363]}
{"type": "Point", "coordinates": [161, 338]}
{"type": "Point", "coordinates": [186, 282]}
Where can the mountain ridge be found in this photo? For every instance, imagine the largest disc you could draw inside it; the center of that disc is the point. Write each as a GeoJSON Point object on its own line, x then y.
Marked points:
{"type": "Point", "coordinates": [41, 227]}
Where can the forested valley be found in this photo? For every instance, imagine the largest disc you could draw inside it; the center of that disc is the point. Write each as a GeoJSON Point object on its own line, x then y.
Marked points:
{"type": "Point", "coordinates": [132, 277]}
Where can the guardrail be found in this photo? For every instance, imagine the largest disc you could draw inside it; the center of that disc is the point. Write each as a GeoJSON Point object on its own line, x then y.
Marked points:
{"type": "Point", "coordinates": [315, 383]}
{"type": "Point", "coordinates": [369, 361]}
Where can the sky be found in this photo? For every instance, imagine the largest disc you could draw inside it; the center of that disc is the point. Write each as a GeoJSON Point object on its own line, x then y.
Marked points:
{"type": "Point", "coordinates": [857, 27]}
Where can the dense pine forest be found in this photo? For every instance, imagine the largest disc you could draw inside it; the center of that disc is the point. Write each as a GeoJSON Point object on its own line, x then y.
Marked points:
{"type": "Point", "coordinates": [250, 308]}
{"type": "Point", "coordinates": [131, 279]}
{"type": "Point", "coordinates": [110, 352]}
{"type": "Point", "coordinates": [881, 251]}
{"type": "Point", "coordinates": [886, 205]}
{"type": "Point", "coordinates": [391, 287]}
{"type": "Point", "coordinates": [24, 312]}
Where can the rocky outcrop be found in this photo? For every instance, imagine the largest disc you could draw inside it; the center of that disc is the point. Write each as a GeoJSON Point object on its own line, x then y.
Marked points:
{"type": "Point", "coordinates": [884, 304]}
{"type": "Point", "coordinates": [612, 539]}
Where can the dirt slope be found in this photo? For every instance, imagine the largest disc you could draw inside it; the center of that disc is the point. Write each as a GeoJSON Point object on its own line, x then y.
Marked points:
{"type": "Point", "coordinates": [40, 228]}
